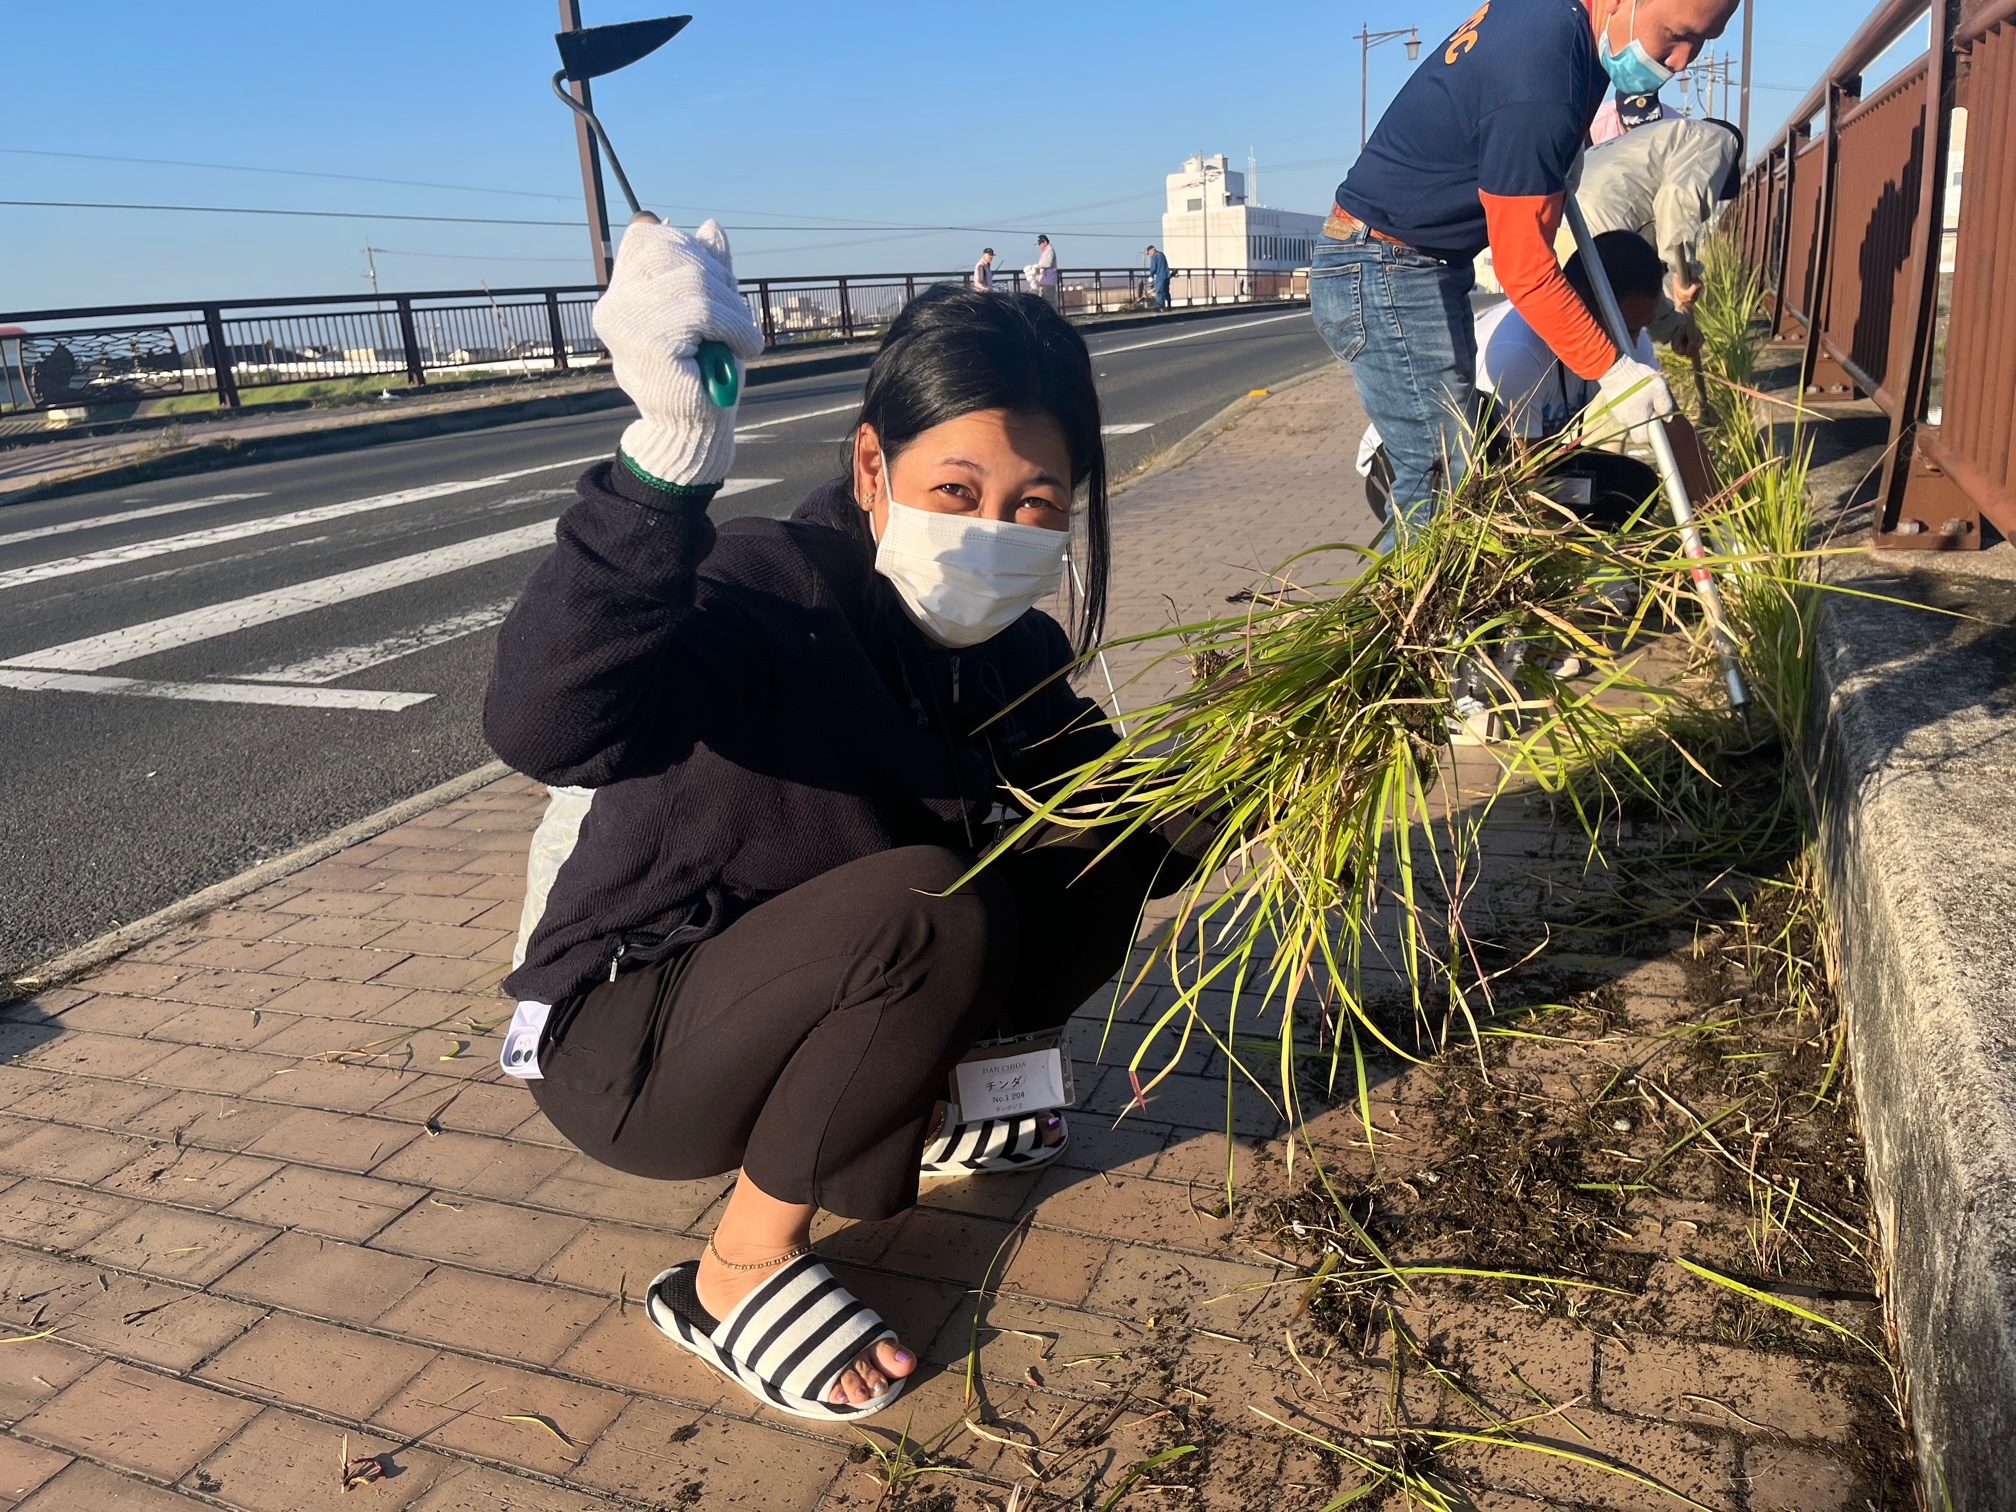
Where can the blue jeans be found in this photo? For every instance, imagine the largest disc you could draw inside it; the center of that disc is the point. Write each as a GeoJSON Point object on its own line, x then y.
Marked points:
{"type": "Point", "coordinates": [1401, 321]}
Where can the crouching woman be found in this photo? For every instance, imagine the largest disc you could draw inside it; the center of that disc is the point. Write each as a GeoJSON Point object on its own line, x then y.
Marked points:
{"type": "Point", "coordinates": [777, 745]}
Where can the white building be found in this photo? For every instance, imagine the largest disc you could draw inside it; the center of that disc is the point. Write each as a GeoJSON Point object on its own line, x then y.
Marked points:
{"type": "Point", "coordinates": [1208, 223]}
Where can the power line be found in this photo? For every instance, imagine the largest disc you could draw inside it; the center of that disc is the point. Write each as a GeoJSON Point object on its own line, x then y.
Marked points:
{"type": "Point", "coordinates": [495, 220]}
{"type": "Point", "coordinates": [361, 178]}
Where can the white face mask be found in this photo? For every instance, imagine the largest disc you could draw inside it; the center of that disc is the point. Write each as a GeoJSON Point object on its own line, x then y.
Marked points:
{"type": "Point", "coordinates": [964, 579]}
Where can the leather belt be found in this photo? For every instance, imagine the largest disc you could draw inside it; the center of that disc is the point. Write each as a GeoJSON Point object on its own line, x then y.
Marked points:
{"type": "Point", "coordinates": [1343, 223]}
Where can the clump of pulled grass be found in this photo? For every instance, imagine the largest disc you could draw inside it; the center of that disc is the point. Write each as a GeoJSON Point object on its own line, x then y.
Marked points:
{"type": "Point", "coordinates": [1344, 863]}
{"type": "Point", "coordinates": [1313, 751]}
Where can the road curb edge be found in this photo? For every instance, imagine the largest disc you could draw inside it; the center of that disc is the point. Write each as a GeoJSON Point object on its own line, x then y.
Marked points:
{"type": "Point", "coordinates": [115, 943]}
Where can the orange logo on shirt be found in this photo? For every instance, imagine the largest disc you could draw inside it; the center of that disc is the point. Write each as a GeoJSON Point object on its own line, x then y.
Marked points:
{"type": "Point", "coordinates": [1466, 35]}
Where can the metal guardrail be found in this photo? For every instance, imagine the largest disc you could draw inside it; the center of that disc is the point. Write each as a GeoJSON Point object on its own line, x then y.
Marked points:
{"type": "Point", "coordinates": [127, 354]}
{"type": "Point", "coordinates": [1899, 277]}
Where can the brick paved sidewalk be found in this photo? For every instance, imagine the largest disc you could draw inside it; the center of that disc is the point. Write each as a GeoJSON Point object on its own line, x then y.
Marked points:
{"type": "Point", "coordinates": [264, 1195]}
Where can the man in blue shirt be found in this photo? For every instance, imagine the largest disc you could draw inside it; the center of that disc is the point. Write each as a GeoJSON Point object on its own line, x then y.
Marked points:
{"type": "Point", "coordinates": [1158, 275]}
{"type": "Point", "coordinates": [1476, 150]}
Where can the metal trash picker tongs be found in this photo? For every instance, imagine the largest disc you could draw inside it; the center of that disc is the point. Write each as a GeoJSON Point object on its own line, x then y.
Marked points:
{"type": "Point", "coordinates": [589, 53]}
{"type": "Point", "coordinates": [1669, 467]}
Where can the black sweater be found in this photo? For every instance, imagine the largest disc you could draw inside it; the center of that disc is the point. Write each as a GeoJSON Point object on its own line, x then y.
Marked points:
{"type": "Point", "coordinates": [753, 708]}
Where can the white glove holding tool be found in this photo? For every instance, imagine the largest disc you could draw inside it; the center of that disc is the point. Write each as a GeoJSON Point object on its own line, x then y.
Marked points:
{"type": "Point", "coordinates": [1628, 398]}
{"type": "Point", "coordinates": [670, 291]}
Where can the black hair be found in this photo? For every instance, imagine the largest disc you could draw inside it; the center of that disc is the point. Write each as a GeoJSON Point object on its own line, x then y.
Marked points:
{"type": "Point", "coordinates": [1041, 237]}
{"type": "Point", "coordinates": [1732, 181]}
{"type": "Point", "coordinates": [954, 350]}
{"type": "Point", "coordinates": [1629, 261]}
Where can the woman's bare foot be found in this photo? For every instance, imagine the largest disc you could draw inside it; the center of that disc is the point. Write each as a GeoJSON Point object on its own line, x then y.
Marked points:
{"type": "Point", "coordinates": [755, 1228]}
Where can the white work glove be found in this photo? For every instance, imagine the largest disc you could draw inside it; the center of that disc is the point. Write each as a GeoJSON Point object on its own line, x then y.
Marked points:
{"type": "Point", "coordinates": [670, 291]}
{"type": "Point", "coordinates": [1629, 397]}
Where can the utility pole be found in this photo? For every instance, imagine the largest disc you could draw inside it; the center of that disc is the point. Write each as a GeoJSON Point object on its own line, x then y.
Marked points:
{"type": "Point", "coordinates": [600, 253]}
{"type": "Point", "coordinates": [1743, 98]}
{"type": "Point", "coordinates": [378, 315]}
{"type": "Point", "coordinates": [1204, 173]}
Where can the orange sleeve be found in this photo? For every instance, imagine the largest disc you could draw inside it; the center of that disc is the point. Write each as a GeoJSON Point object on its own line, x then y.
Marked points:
{"type": "Point", "coordinates": [1521, 228]}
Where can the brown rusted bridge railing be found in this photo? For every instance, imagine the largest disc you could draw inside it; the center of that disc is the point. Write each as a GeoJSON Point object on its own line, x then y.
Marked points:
{"type": "Point", "coordinates": [1885, 228]}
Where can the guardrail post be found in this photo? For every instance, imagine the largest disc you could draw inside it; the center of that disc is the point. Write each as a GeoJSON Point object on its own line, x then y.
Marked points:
{"type": "Point", "coordinates": [1793, 140]}
{"type": "Point", "coordinates": [416, 367]}
{"type": "Point", "coordinates": [1921, 297]}
{"type": "Point", "coordinates": [555, 332]}
{"type": "Point", "coordinates": [220, 358]}
{"type": "Point", "coordinates": [1841, 93]}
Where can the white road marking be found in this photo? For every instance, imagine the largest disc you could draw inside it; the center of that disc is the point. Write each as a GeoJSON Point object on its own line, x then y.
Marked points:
{"type": "Point", "coordinates": [1204, 329]}
{"type": "Point", "coordinates": [133, 687]}
{"type": "Point", "coordinates": [345, 660]}
{"type": "Point", "coordinates": [70, 526]}
{"type": "Point", "coordinates": [756, 425]}
{"type": "Point", "coordinates": [140, 551]}
{"type": "Point", "coordinates": [1126, 430]}
{"type": "Point", "coordinates": [94, 652]}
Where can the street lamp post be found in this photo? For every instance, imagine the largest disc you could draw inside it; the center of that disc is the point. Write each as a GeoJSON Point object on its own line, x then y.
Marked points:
{"type": "Point", "coordinates": [1367, 40]}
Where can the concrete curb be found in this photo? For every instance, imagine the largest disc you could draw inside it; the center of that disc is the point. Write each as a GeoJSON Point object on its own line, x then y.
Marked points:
{"type": "Point", "coordinates": [1189, 446]}
{"type": "Point", "coordinates": [109, 946]}
{"type": "Point", "coordinates": [1917, 771]}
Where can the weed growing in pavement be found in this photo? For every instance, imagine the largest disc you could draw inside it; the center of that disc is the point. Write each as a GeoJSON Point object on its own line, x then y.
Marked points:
{"type": "Point", "coordinates": [900, 1463]}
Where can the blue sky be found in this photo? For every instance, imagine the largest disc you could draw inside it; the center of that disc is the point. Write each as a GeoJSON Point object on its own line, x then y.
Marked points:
{"type": "Point", "coordinates": [1033, 115]}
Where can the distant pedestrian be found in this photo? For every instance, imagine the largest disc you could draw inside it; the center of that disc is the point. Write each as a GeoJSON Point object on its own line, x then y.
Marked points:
{"type": "Point", "coordinates": [1043, 273]}
{"type": "Point", "coordinates": [1158, 275]}
{"type": "Point", "coordinates": [983, 271]}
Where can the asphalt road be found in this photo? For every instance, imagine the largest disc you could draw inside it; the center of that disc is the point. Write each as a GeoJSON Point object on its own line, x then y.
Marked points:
{"type": "Point", "coordinates": [201, 673]}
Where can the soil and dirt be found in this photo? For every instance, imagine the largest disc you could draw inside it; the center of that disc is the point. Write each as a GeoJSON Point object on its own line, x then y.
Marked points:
{"type": "Point", "coordinates": [1592, 1140]}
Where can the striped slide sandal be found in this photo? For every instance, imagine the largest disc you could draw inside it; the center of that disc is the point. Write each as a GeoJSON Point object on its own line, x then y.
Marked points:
{"type": "Point", "coordinates": [786, 1343]}
{"type": "Point", "coordinates": [995, 1144]}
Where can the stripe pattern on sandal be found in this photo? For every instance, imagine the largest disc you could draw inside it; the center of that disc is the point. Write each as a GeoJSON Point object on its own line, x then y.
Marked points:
{"type": "Point", "coordinates": [994, 1144]}
{"type": "Point", "coordinates": [788, 1341]}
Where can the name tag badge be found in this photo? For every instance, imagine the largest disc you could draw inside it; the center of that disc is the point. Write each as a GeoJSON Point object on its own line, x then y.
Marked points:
{"type": "Point", "coordinates": [1006, 1078]}
{"type": "Point", "coordinates": [520, 1055]}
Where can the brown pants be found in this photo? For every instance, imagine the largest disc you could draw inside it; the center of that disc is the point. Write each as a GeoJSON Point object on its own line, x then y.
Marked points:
{"type": "Point", "coordinates": [808, 1042]}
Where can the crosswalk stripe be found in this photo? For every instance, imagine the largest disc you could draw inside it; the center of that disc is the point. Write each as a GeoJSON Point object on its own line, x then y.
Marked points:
{"type": "Point", "coordinates": [154, 636]}
{"type": "Point", "coordinates": [345, 660]}
{"type": "Point", "coordinates": [95, 652]}
{"type": "Point", "coordinates": [245, 693]}
{"type": "Point", "coordinates": [70, 527]}
{"type": "Point", "coordinates": [140, 551]}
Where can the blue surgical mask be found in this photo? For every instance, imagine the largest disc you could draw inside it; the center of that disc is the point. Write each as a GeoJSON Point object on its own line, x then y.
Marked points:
{"type": "Point", "coordinates": [1634, 70]}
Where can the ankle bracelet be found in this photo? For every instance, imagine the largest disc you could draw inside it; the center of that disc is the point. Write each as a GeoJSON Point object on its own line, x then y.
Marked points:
{"type": "Point", "coordinates": [760, 1265]}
